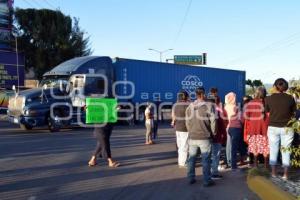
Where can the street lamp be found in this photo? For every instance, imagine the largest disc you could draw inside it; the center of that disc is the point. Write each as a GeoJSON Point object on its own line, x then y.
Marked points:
{"type": "Point", "coordinates": [160, 52]}
{"type": "Point", "coordinates": [17, 33]}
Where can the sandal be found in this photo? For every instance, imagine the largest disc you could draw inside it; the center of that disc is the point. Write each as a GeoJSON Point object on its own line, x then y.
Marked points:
{"type": "Point", "coordinates": [114, 165]}
{"type": "Point", "coordinates": [92, 163]}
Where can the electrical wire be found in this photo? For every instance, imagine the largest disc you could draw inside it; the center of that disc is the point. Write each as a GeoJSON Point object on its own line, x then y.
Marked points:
{"type": "Point", "coordinates": [183, 22]}
{"type": "Point", "coordinates": [274, 46]}
{"type": "Point", "coordinates": [38, 3]}
{"type": "Point", "coordinates": [50, 5]}
{"type": "Point", "coordinates": [30, 4]}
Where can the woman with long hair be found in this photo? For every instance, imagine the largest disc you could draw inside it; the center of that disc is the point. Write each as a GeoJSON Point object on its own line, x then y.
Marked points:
{"type": "Point", "coordinates": [234, 129]}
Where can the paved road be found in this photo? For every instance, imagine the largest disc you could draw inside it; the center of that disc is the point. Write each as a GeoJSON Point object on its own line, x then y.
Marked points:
{"type": "Point", "coordinates": [42, 165]}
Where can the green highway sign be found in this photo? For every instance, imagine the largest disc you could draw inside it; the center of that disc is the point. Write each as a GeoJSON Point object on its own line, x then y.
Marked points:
{"type": "Point", "coordinates": [101, 110]}
{"type": "Point", "coordinates": [189, 59]}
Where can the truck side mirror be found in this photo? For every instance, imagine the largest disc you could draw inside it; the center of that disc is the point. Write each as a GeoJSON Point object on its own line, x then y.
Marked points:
{"type": "Point", "coordinates": [63, 87]}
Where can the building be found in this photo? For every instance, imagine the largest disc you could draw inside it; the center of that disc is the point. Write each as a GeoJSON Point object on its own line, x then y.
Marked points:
{"type": "Point", "coordinates": [11, 63]}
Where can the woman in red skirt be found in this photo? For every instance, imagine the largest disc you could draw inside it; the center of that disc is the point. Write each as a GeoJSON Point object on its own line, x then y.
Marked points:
{"type": "Point", "coordinates": [257, 125]}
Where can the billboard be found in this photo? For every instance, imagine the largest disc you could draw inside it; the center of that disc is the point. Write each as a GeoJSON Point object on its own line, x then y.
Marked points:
{"type": "Point", "coordinates": [5, 14]}
{"type": "Point", "coordinates": [5, 23]}
{"type": "Point", "coordinates": [10, 72]}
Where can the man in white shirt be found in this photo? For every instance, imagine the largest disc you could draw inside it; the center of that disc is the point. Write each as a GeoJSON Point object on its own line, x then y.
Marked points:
{"type": "Point", "coordinates": [149, 123]}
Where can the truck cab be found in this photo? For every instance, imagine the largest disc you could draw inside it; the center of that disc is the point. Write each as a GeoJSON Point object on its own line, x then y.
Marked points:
{"type": "Point", "coordinates": [31, 108]}
{"type": "Point", "coordinates": [59, 101]}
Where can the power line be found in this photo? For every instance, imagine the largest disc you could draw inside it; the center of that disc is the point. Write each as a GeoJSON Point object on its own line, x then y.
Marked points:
{"type": "Point", "coordinates": [50, 5]}
{"type": "Point", "coordinates": [274, 46]}
{"type": "Point", "coordinates": [38, 3]}
{"type": "Point", "coordinates": [183, 21]}
{"type": "Point", "coordinates": [31, 5]}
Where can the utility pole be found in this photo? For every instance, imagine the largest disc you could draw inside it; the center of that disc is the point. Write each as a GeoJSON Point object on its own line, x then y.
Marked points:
{"type": "Point", "coordinates": [160, 52]}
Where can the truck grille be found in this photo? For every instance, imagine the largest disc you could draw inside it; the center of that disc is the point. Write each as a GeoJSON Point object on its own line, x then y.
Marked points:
{"type": "Point", "coordinates": [16, 105]}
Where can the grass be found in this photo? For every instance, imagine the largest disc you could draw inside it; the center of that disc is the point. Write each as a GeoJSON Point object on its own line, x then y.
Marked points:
{"type": "Point", "coordinates": [259, 172]}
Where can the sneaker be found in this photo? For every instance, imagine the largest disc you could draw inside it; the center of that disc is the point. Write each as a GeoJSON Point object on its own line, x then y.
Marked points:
{"type": "Point", "coordinates": [209, 184]}
{"type": "Point", "coordinates": [192, 181]}
{"type": "Point", "coordinates": [216, 176]}
{"type": "Point", "coordinates": [221, 167]}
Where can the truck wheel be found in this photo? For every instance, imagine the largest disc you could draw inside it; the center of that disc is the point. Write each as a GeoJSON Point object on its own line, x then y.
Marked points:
{"type": "Point", "coordinates": [25, 127]}
{"type": "Point", "coordinates": [53, 124]}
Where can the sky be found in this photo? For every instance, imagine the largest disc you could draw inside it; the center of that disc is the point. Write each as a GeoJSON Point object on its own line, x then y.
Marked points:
{"type": "Point", "coordinates": [259, 37]}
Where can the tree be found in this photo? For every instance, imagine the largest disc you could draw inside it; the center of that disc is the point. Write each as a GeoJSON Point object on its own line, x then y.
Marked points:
{"type": "Point", "coordinates": [295, 125]}
{"type": "Point", "coordinates": [49, 38]}
{"type": "Point", "coordinates": [257, 83]}
{"type": "Point", "coordinates": [249, 83]}
{"type": "Point", "coordinates": [253, 84]}
{"type": "Point", "coordinates": [294, 82]}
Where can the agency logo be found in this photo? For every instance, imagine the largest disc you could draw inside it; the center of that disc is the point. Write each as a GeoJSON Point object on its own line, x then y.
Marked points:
{"type": "Point", "coordinates": [190, 83]}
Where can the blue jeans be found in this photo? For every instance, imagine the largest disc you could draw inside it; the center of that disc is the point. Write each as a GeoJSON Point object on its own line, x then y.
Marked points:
{"type": "Point", "coordinates": [215, 157]}
{"type": "Point", "coordinates": [205, 148]}
{"type": "Point", "coordinates": [228, 150]}
{"type": "Point", "coordinates": [236, 137]}
{"type": "Point", "coordinates": [281, 136]}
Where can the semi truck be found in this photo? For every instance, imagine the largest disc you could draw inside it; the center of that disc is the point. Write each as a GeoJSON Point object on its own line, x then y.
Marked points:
{"type": "Point", "coordinates": [60, 98]}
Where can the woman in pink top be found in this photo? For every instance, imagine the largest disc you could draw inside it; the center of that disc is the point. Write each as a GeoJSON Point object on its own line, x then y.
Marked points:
{"type": "Point", "coordinates": [234, 129]}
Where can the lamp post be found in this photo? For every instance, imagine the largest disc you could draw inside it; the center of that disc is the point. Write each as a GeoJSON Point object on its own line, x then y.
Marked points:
{"type": "Point", "coordinates": [160, 52]}
{"type": "Point", "coordinates": [17, 33]}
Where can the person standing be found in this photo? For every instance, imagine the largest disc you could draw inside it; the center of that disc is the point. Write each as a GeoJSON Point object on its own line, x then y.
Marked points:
{"type": "Point", "coordinates": [246, 100]}
{"type": "Point", "coordinates": [178, 121]}
{"type": "Point", "coordinates": [220, 137]}
{"type": "Point", "coordinates": [102, 134]}
{"type": "Point", "coordinates": [157, 116]}
{"type": "Point", "coordinates": [149, 123]}
{"type": "Point", "coordinates": [234, 129]}
{"type": "Point", "coordinates": [257, 124]}
{"type": "Point", "coordinates": [246, 135]}
{"type": "Point", "coordinates": [201, 125]}
{"type": "Point", "coordinates": [281, 107]}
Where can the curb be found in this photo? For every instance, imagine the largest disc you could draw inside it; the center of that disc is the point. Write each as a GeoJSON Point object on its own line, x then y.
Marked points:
{"type": "Point", "coordinates": [266, 190]}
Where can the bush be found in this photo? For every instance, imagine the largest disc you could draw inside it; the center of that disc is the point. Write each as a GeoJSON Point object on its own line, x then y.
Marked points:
{"type": "Point", "coordinates": [295, 125]}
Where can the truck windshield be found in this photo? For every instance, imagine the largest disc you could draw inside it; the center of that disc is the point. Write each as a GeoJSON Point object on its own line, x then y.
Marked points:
{"type": "Point", "coordinates": [54, 81]}
{"type": "Point", "coordinates": [94, 86]}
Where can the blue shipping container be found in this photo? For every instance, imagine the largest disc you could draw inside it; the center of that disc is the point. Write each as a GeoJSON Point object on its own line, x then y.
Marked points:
{"type": "Point", "coordinates": [141, 81]}
{"type": "Point", "coordinates": [155, 80]}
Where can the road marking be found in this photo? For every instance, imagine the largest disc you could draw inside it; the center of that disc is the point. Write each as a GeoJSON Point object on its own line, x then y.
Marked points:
{"type": "Point", "coordinates": [7, 159]}
{"type": "Point", "coordinates": [32, 198]}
